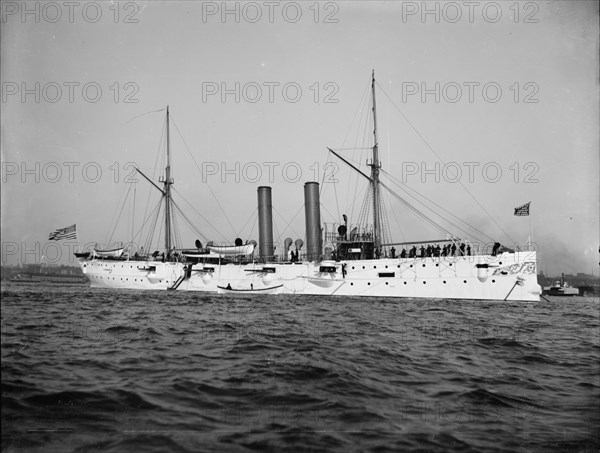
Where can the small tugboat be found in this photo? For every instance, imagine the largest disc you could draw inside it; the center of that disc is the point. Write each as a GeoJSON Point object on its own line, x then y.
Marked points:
{"type": "Point", "coordinates": [562, 288]}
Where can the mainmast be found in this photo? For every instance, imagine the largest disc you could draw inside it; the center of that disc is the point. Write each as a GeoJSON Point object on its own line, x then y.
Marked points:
{"type": "Point", "coordinates": [375, 166]}
{"type": "Point", "coordinates": [167, 192]}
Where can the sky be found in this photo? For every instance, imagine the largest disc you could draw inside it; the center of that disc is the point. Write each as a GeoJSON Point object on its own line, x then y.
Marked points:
{"type": "Point", "coordinates": [505, 92]}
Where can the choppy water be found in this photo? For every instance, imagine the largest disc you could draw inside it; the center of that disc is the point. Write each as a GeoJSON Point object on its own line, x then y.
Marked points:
{"type": "Point", "coordinates": [96, 370]}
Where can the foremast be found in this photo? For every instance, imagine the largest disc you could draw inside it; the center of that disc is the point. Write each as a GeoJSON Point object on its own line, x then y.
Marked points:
{"type": "Point", "coordinates": [375, 166]}
{"type": "Point", "coordinates": [167, 192]}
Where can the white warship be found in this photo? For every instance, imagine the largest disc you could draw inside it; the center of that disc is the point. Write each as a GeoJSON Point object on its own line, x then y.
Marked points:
{"type": "Point", "coordinates": [356, 259]}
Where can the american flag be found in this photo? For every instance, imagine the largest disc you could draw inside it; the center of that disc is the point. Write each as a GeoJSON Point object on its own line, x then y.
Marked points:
{"type": "Point", "coordinates": [523, 210]}
{"type": "Point", "coordinates": [63, 233]}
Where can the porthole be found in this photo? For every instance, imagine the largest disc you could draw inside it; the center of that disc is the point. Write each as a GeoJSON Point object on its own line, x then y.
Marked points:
{"type": "Point", "coordinates": [405, 283]}
{"type": "Point", "coordinates": [424, 282]}
{"type": "Point", "coordinates": [444, 282]}
{"type": "Point", "coordinates": [464, 281]}
{"type": "Point", "coordinates": [386, 283]}
{"type": "Point", "coordinates": [423, 265]}
{"type": "Point", "coordinates": [437, 264]}
{"type": "Point", "coordinates": [493, 281]}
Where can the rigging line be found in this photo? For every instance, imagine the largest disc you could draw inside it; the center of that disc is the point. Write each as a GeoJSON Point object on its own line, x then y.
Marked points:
{"type": "Point", "coordinates": [158, 153]}
{"type": "Point", "coordinates": [337, 202]}
{"type": "Point", "coordinates": [423, 216]}
{"type": "Point", "coordinates": [399, 227]}
{"type": "Point", "coordinates": [113, 219]}
{"type": "Point", "coordinates": [415, 210]}
{"type": "Point", "coordinates": [207, 222]}
{"type": "Point", "coordinates": [444, 230]}
{"type": "Point", "coordinates": [159, 215]}
{"type": "Point", "coordinates": [360, 104]}
{"type": "Point", "coordinates": [355, 194]}
{"type": "Point", "coordinates": [177, 235]}
{"type": "Point", "coordinates": [143, 114]}
{"type": "Point", "coordinates": [358, 171]}
{"type": "Point", "coordinates": [442, 161]}
{"type": "Point", "coordinates": [330, 214]}
{"type": "Point", "coordinates": [198, 212]}
{"type": "Point", "coordinates": [386, 224]}
{"type": "Point", "coordinates": [405, 187]}
{"type": "Point", "coordinates": [278, 236]}
{"type": "Point", "coordinates": [154, 170]}
{"type": "Point", "coordinates": [361, 109]}
{"type": "Point", "coordinates": [365, 122]}
{"type": "Point", "coordinates": [365, 209]}
{"type": "Point", "coordinates": [247, 221]}
{"type": "Point", "coordinates": [186, 221]}
{"type": "Point", "coordinates": [133, 211]}
{"type": "Point", "coordinates": [380, 220]}
{"type": "Point", "coordinates": [354, 148]}
{"type": "Point", "coordinates": [190, 223]}
{"type": "Point", "coordinates": [207, 183]}
{"type": "Point", "coordinates": [254, 223]}
{"type": "Point", "coordinates": [288, 224]}
{"type": "Point", "coordinates": [120, 214]}
{"type": "Point", "coordinates": [334, 186]}
{"type": "Point", "coordinates": [161, 230]}
{"type": "Point", "coordinates": [139, 232]}
{"type": "Point", "coordinates": [152, 229]}
{"type": "Point", "coordinates": [356, 197]}
{"type": "Point", "coordinates": [147, 215]}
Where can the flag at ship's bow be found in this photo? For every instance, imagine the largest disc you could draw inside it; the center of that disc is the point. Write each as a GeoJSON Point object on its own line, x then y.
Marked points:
{"type": "Point", "coordinates": [523, 210]}
{"type": "Point", "coordinates": [69, 232]}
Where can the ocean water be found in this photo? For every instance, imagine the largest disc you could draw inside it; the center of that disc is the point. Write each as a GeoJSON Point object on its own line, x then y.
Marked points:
{"type": "Point", "coordinates": [89, 370]}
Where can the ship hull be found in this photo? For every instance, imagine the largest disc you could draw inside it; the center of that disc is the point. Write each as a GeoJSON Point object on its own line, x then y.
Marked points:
{"type": "Point", "coordinates": [510, 276]}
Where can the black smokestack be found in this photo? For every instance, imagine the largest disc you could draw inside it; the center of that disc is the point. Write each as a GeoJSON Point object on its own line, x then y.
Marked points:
{"type": "Point", "coordinates": [312, 211]}
{"type": "Point", "coordinates": [265, 223]}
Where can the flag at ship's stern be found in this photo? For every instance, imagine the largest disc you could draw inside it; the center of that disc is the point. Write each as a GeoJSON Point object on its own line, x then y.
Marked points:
{"type": "Point", "coordinates": [69, 232]}
{"type": "Point", "coordinates": [523, 210]}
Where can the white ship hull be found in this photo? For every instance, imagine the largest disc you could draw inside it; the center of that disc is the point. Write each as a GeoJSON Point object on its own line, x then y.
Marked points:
{"type": "Point", "coordinates": [509, 276]}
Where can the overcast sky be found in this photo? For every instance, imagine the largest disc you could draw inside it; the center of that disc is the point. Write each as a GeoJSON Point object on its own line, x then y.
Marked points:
{"type": "Point", "coordinates": [511, 95]}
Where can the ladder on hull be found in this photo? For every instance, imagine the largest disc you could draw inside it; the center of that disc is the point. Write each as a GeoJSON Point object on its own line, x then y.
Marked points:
{"type": "Point", "coordinates": [176, 284]}
{"type": "Point", "coordinates": [187, 271]}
